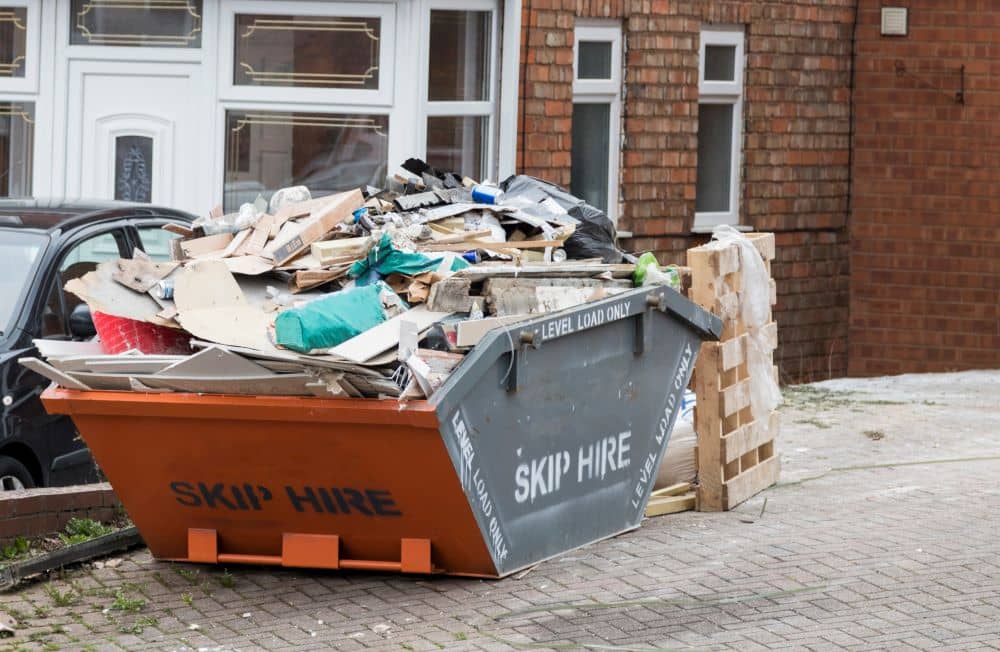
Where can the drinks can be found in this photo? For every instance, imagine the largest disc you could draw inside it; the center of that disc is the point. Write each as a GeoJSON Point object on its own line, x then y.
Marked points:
{"type": "Point", "coordinates": [486, 194]}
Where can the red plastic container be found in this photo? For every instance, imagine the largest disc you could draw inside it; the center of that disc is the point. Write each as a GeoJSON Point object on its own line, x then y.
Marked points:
{"type": "Point", "coordinates": [120, 334]}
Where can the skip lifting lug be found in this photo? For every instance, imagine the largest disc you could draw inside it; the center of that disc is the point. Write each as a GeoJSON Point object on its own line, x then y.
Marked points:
{"type": "Point", "coordinates": [642, 331]}
{"type": "Point", "coordinates": [526, 339]}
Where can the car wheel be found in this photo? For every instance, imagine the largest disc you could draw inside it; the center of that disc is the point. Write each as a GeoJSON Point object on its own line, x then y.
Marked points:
{"type": "Point", "coordinates": [14, 475]}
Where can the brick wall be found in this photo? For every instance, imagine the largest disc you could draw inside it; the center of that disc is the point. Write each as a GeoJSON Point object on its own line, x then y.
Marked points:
{"type": "Point", "coordinates": [36, 512]}
{"type": "Point", "coordinates": [796, 141]}
{"type": "Point", "coordinates": [925, 228]}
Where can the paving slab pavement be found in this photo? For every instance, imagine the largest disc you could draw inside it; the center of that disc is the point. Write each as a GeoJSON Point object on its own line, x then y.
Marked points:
{"type": "Point", "coordinates": [881, 535]}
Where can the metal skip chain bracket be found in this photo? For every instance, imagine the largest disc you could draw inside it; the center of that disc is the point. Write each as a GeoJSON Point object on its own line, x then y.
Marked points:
{"type": "Point", "coordinates": [526, 339]}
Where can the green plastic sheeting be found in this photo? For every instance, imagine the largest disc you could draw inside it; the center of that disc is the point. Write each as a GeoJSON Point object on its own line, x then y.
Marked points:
{"type": "Point", "coordinates": [385, 259]}
{"type": "Point", "coordinates": [327, 322]}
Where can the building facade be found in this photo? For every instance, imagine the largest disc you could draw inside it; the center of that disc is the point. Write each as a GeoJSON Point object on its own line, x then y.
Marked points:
{"type": "Point", "coordinates": [808, 118]}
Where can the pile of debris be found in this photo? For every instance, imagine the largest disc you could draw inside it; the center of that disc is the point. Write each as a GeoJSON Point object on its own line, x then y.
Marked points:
{"type": "Point", "coordinates": [366, 293]}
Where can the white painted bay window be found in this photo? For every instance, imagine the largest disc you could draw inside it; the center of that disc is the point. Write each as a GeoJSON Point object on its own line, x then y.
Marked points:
{"type": "Point", "coordinates": [333, 95]}
{"type": "Point", "coordinates": [720, 132]}
{"type": "Point", "coordinates": [19, 54]}
{"type": "Point", "coordinates": [597, 83]}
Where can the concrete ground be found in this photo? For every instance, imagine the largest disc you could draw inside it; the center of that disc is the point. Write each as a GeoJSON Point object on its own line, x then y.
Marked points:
{"type": "Point", "coordinates": [882, 534]}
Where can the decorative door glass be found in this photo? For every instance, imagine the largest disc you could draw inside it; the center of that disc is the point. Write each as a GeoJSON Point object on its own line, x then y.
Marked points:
{"type": "Point", "coordinates": [134, 168]}
{"type": "Point", "coordinates": [307, 51]}
{"type": "Point", "coordinates": [13, 40]}
{"type": "Point", "coordinates": [136, 23]}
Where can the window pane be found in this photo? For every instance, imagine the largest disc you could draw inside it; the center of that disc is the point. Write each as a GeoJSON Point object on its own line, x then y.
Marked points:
{"type": "Point", "coordinates": [134, 168]}
{"type": "Point", "coordinates": [13, 30]}
{"type": "Point", "coordinates": [458, 144]}
{"type": "Point", "coordinates": [594, 60]}
{"type": "Point", "coordinates": [158, 23]}
{"type": "Point", "coordinates": [720, 63]}
{"type": "Point", "coordinates": [715, 158]}
{"type": "Point", "coordinates": [266, 151]}
{"type": "Point", "coordinates": [17, 144]}
{"type": "Point", "coordinates": [19, 250]}
{"type": "Point", "coordinates": [308, 51]}
{"type": "Point", "coordinates": [591, 152]}
{"type": "Point", "coordinates": [85, 256]}
{"type": "Point", "coordinates": [460, 56]}
{"type": "Point", "coordinates": [156, 242]}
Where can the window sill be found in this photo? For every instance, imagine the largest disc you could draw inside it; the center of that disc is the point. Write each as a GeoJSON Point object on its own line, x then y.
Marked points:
{"type": "Point", "coordinates": [707, 229]}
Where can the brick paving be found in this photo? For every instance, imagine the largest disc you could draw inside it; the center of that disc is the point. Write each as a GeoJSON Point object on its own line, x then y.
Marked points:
{"type": "Point", "coordinates": [884, 555]}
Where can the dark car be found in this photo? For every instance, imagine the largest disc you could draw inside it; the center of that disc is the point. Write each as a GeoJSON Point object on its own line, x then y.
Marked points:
{"type": "Point", "coordinates": [44, 244]}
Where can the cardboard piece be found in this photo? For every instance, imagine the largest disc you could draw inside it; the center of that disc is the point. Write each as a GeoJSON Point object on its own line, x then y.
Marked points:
{"type": "Point", "coordinates": [321, 220]}
{"type": "Point", "coordinates": [470, 332]}
{"type": "Point", "coordinates": [205, 245]}
{"type": "Point", "coordinates": [103, 294]}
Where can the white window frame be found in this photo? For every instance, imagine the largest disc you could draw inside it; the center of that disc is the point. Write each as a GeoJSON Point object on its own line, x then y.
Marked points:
{"type": "Point", "coordinates": [32, 50]}
{"type": "Point", "coordinates": [487, 108]}
{"type": "Point", "coordinates": [724, 92]}
{"type": "Point", "coordinates": [603, 91]}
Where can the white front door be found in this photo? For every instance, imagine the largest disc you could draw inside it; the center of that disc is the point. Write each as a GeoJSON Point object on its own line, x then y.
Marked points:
{"type": "Point", "coordinates": [137, 134]}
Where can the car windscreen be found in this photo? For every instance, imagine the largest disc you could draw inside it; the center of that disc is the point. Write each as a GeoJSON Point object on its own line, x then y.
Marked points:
{"type": "Point", "coordinates": [19, 253]}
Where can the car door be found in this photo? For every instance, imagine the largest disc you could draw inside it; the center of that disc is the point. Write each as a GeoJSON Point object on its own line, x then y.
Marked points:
{"type": "Point", "coordinates": [49, 444]}
{"type": "Point", "coordinates": [79, 253]}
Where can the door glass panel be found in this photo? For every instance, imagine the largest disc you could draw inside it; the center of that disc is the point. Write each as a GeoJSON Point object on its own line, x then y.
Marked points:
{"type": "Point", "coordinates": [134, 168]}
{"type": "Point", "coordinates": [17, 140]}
{"type": "Point", "coordinates": [720, 63]}
{"type": "Point", "coordinates": [137, 23]}
{"type": "Point", "coordinates": [715, 158]}
{"type": "Point", "coordinates": [589, 160]}
{"type": "Point", "coordinates": [307, 51]}
{"type": "Point", "coordinates": [13, 33]}
{"type": "Point", "coordinates": [81, 259]}
{"type": "Point", "coordinates": [593, 60]}
{"type": "Point", "coordinates": [458, 144]}
{"type": "Point", "coordinates": [156, 242]}
{"type": "Point", "coordinates": [266, 151]}
{"type": "Point", "coordinates": [460, 56]}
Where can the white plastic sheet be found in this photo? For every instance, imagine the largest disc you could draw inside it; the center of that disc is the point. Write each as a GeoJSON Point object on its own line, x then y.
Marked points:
{"type": "Point", "coordinates": [755, 302]}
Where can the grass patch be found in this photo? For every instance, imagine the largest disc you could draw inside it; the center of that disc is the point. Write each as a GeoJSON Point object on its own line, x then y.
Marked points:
{"type": "Point", "coordinates": [17, 548]}
{"type": "Point", "coordinates": [815, 422]}
{"type": "Point", "coordinates": [189, 574]}
{"type": "Point", "coordinates": [139, 626]}
{"type": "Point", "coordinates": [61, 598]}
{"type": "Point", "coordinates": [123, 602]}
{"type": "Point", "coordinates": [79, 530]}
{"type": "Point", "coordinates": [807, 397]}
{"type": "Point", "coordinates": [226, 580]}
{"type": "Point", "coordinates": [187, 599]}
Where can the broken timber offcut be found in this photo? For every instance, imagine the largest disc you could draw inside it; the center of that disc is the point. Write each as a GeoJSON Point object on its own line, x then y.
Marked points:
{"type": "Point", "coordinates": [545, 438]}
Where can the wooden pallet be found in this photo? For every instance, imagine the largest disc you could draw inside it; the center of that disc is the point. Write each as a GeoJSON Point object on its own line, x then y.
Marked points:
{"type": "Point", "coordinates": [737, 456]}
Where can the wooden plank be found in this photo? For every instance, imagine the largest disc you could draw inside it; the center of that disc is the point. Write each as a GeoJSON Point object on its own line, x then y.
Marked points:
{"type": "Point", "coordinates": [708, 427]}
{"type": "Point", "coordinates": [764, 243]}
{"type": "Point", "coordinates": [748, 437]}
{"type": "Point", "coordinates": [660, 505]}
{"type": "Point", "coordinates": [735, 398]}
{"type": "Point", "coordinates": [673, 490]}
{"type": "Point", "coordinates": [732, 353]}
{"type": "Point", "coordinates": [548, 270]}
{"type": "Point", "coordinates": [752, 481]}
